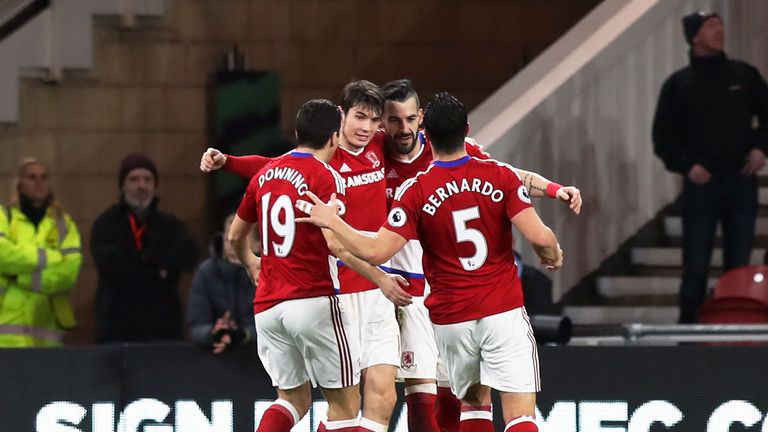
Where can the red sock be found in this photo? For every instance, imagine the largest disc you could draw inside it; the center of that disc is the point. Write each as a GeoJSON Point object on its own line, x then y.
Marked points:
{"type": "Point", "coordinates": [476, 418]}
{"type": "Point", "coordinates": [277, 418]}
{"type": "Point", "coordinates": [447, 410]}
{"type": "Point", "coordinates": [522, 424]}
{"type": "Point", "coordinates": [421, 399]}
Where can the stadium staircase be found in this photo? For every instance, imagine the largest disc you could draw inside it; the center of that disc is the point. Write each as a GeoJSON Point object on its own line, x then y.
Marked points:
{"type": "Point", "coordinates": [53, 40]}
{"type": "Point", "coordinates": [581, 113]}
{"type": "Point", "coordinates": [640, 282]}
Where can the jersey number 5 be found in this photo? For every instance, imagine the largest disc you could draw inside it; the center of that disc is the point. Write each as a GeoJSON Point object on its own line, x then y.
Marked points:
{"type": "Point", "coordinates": [465, 234]}
{"type": "Point", "coordinates": [270, 217]}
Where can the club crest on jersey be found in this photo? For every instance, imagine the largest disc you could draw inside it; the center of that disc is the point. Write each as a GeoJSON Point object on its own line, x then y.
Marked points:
{"type": "Point", "coordinates": [407, 361]}
{"type": "Point", "coordinates": [522, 193]}
{"type": "Point", "coordinates": [397, 217]}
{"type": "Point", "coordinates": [371, 156]}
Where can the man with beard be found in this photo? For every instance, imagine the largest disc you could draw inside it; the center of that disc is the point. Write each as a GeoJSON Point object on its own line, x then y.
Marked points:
{"type": "Point", "coordinates": [407, 151]}
{"type": "Point", "coordinates": [139, 253]}
{"type": "Point", "coordinates": [360, 161]}
{"type": "Point", "coordinates": [431, 405]}
{"type": "Point", "coordinates": [462, 210]}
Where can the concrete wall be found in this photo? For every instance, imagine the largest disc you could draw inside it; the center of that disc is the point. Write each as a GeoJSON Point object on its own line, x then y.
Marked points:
{"type": "Point", "coordinates": [582, 114]}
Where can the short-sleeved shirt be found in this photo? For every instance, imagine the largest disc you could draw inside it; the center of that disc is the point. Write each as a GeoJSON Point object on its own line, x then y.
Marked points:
{"type": "Point", "coordinates": [365, 186]}
{"type": "Point", "coordinates": [295, 262]}
{"type": "Point", "coordinates": [399, 170]}
{"type": "Point", "coordinates": [407, 261]}
{"type": "Point", "coordinates": [461, 213]}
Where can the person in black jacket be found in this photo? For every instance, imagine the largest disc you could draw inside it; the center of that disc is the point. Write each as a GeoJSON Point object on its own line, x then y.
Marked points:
{"type": "Point", "coordinates": [220, 307]}
{"type": "Point", "coordinates": [140, 253]}
{"type": "Point", "coordinates": [711, 126]}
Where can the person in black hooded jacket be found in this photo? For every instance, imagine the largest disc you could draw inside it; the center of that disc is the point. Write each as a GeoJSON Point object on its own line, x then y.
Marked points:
{"type": "Point", "coordinates": [711, 126]}
{"type": "Point", "coordinates": [139, 253]}
{"type": "Point", "coordinates": [220, 307]}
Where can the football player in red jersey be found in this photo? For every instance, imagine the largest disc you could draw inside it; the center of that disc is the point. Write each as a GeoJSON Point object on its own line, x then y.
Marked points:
{"type": "Point", "coordinates": [431, 407]}
{"type": "Point", "coordinates": [361, 165]}
{"type": "Point", "coordinates": [301, 327]}
{"type": "Point", "coordinates": [408, 152]}
{"type": "Point", "coordinates": [360, 161]}
{"type": "Point", "coordinates": [462, 210]}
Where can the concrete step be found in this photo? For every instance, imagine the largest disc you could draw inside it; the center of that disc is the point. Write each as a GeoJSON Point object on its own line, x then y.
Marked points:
{"type": "Point", "coordinates": [626, 286]}
{"type": "Point", "coordinates": [673, 226]}
{"type": "Point", "coordinates": [605, 315]}
{"type": "Point", "coordinates": [673, 257]}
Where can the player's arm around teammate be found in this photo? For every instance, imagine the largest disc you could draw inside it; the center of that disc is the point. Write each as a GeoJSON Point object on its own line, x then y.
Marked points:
{"type": "Point", "coordinates": [375, 249]}
{"type": "Point", "coordinates": [389, 284]}
{"type": "Point", "coordinates": [539, 186]}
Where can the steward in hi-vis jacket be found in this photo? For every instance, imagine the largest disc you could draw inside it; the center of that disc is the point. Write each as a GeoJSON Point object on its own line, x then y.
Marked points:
{"type": "Point", "coordinates": [40, 259]}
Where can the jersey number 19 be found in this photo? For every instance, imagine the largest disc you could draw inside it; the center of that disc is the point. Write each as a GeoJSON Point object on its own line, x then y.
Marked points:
{"type": "Point", "coordinates": [270, 217]}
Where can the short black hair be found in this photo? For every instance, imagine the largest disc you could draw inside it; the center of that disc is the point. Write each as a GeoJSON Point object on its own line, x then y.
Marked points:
{"type": "Point", "coordinates": [316, 121]}
{"type": "Point", "coordinates": [400, 91]}
{"type": "Point", "coordinates": [445, 121]}
{"type": "Point", "coordinates": [363, 93]}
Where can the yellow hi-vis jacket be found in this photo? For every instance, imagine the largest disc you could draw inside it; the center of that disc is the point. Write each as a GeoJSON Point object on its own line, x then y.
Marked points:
{"type": "Point", "coordinates": [38, 266]}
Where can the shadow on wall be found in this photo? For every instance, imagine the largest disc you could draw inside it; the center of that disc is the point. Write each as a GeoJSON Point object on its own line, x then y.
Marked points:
{"type": "Point", "coordinates": [594, 161]}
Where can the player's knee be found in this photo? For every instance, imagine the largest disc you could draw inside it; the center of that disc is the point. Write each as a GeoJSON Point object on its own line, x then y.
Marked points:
{"type": "Point", "coordinates": [477, 395]}
{"type": "Point", "coordinates": [383, 397]}
{"type": "Point", "coordinates": [300, 398]}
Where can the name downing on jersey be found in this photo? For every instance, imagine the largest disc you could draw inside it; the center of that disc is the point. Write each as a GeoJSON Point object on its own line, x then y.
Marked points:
{"type": "Point", "coordinates": [288, 174]}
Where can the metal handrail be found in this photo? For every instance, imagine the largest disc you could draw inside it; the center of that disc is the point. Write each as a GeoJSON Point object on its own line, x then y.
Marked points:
{"type": "Point", "coordinates": [13, 15]}
{"type": "Point", "coordinates": [696, 332]}
{"type": "Point", "coordinates": [672, 334]}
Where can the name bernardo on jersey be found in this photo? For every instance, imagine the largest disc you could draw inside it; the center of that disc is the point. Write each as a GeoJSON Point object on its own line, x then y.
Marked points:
{"type": "Point", "coordinates": [451, 188]}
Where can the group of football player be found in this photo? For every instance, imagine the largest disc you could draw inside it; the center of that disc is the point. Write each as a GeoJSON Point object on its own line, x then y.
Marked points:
{"type": "Point", "coordinates": [387, 255]}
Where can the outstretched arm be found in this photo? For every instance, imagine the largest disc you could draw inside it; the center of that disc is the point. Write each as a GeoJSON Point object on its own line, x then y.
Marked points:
{"type": "Point", "coordinates": [243, 166]}
{"type": "Point", "coordinates": [389, 284]}
{"type": "Point", "coordinates": [374, 249]}
{"type": "Point", "coordinates": [538, 186]}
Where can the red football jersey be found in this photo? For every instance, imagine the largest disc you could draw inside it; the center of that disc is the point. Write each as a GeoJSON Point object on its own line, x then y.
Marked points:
{"type": "Point", "coordinates": [460, 211]}
{"type": "Point", "coordinates": [399, 170]}
{"type": "Point", "coordinates": [295, 260]}
{"type": "Point", "coordinates": [407, 261]}
{"type": "Point", "coordinates": [245, 166]}
{"type": "Point", "coordinates": [363, 174]}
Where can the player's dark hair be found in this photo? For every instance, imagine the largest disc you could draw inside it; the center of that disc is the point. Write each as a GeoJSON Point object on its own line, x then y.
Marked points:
{"type": "Point", "coordinates": [364, 94]}
{"type": "Point", "coordinates": [400, 91]}
{"type": "Point", "coordinates": [445, 121]}
{"type": "Point", "coordinates": [316, 121]}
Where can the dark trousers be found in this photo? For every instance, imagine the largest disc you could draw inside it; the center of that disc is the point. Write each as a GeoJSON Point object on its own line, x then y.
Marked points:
{"type": "Point", "coordinates": [733, 201]}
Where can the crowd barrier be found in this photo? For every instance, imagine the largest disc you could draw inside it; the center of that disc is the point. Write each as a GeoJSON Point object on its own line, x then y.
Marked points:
{"type": "Point", "coordinates": [180, 388]}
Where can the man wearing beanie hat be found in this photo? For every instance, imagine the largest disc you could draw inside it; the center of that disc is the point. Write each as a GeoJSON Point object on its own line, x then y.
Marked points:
{"type": "Point", "coordinates": [139, 253]}
{"type": "Point", "coordinates": [711, 126]}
